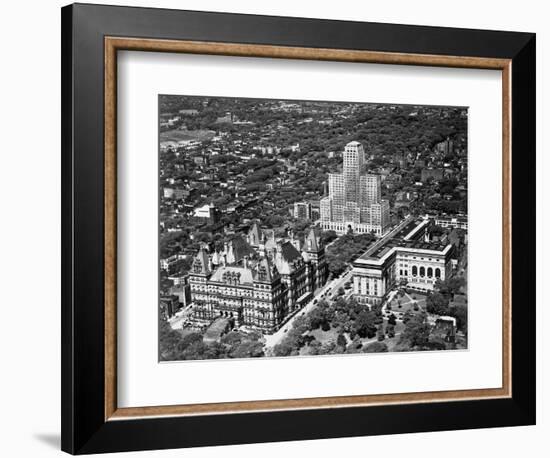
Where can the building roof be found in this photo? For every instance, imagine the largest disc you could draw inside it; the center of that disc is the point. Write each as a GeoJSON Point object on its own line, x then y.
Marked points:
{"type": "Point", "coordinates": [311, 242]}
{"type": "Point", "coordinates": [226, 274]}
{"type": "Point", "coordinates": [286, 256]}
{"type": "Point", "coordinates": [201, 264]}
{"type": "Point", "coordinates": [383, 249]}
{"type": "Point", "coordinates": [265, 271]}
{"type": "Point", "coordinates": [241, 248]}
{"type": "Point", "coordinates": [289, 252]}
{"type": "Point", "coordinates": [216, 258]}
{"type": "Point", "coordinates": [254, 235]}
{"type": "Point", "coordinates": [270, 244]}
{"type": "Point", "coordinates": [406, 240]}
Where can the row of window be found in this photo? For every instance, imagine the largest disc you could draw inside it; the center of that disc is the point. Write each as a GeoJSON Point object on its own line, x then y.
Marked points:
{"type": "Point", "coordinates": [422, 271]}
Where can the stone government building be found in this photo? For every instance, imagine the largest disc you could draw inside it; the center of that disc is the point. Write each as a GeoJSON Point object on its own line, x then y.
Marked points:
{"type": "Point", "coordinates": [408, 256]}
{"type": "Point", "coordinates": [354, 198]}
{"type": "Point", "coordinates": [257, 282]}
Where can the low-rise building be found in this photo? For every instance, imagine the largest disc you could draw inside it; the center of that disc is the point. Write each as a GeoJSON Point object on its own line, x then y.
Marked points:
{"type": "Point", "coordinates": [407, 258]}
{"type": "Point", "coordinates": [209, 213]}
{"type": "Point", "coordinates": [169, 305]}
{"type": "Point", "coordinates": [456, 222]}
{"type": "Point", "coordinates": [302, 210]}
{"type": "Point", "coordinates": [175, 193]}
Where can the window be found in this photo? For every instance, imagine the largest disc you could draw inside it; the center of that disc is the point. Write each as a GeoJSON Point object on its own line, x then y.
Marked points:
{"type": "Point", "coordinates": [437, 272]}
{"type": "Point", "coordinates": [414, 271]}
{"type": "Point", "coordinates": [430, 272]}
{"type": "Point", "coordinates": [422, 271]}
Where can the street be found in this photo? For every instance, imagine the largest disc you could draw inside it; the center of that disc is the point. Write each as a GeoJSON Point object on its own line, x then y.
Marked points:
{"type": "Point", "coordinates": [331, 288]}
{"type": "Point", "coordinates": [176, 322]}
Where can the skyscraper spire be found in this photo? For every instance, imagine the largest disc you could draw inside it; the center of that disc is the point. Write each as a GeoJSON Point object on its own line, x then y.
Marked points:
{"type": "Point", "coordinates": [354, 157]}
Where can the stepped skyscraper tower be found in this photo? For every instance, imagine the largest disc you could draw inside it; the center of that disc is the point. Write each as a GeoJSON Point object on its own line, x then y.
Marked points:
{"type": "Point", "coordinates": [354, 197]}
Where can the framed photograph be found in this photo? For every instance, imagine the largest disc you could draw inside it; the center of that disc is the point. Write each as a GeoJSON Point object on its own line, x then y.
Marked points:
{"type": "Point", "coordinates": [284, 228]}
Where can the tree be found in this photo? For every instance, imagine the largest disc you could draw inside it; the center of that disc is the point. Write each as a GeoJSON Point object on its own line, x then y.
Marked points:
{"type": "Point", "coordinates": [390, 329]}
{"type": "Point", "coordinates": [327, 237]}
{"type": "Point", "coordinates": [247, 350]}
{"type": "Point", "coordinates": [188, 340]}
{"type": "Point", "coordinates": [380, 334]}
{"type": "Point", "coordinates": [318, 316]}
{"type": "Point", "coordinates": [314, 347]}
{"type": "Point", "coordinates": [375, 347]}
{"type": "Point", "coordinates": [450, 286]}
{"type": "Point", "coordinates": [327, 348]}
{"type": "Point", "coordinates": [417, 331]}
{"type": "Point", "coordinates": [283, 349]}
{"type": "Point", "coordinates": [168, 340]}
{"type": "Point", "coordinates": [460, 312]}
{"type": "Point", "coordinates": [392, 320]}
{"type": "Point", "coordinates": [355, 346]}
{"type": "Point", "coordinates": [364, 324]}
{"type": "Point", "coordinates": [341, 340]}
{"type": "Point", "coordinates": [407, 316]}
{"type": "Point", "coordinates": [437, 304]}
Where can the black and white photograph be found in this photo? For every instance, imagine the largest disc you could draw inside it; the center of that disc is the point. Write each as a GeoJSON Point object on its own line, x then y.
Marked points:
{"type": "Point", "coordinates": [303, 228]}
{"type": "Point", "coordinates": [266, 229]}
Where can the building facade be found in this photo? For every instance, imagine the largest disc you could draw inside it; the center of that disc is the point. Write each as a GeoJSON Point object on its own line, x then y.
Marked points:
{"type": "Point", "coordinates": [208, 213]}
{"type": "Point", "coordinates": [256, 282]}
{"type": "Point", "coordinates": [354, 199]}
{"type": "Point", "coordinates": [457, 222]}
{"type": "Point", "coordinates": [302, 210]}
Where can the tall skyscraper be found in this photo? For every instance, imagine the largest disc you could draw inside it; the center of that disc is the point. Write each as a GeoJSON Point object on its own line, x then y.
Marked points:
{"type": "Point", "coordinates": [354, 157]}
{"type": "Point", "coordinates": [354, 198]}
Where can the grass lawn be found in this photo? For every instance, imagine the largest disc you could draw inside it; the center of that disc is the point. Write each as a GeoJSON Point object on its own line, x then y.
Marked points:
{"type": "Point", "coordinates": [324, 336]}
{"type": "Point", "coordinates": [407, 302]}
{"type": "Point", "coordinates": [178, 135]}
{"type": "Point", "coordinates": [185, 331]}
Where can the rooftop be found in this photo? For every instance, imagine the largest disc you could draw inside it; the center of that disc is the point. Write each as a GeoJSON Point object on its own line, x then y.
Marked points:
{"type": "Point", "coordinates": [385, 248]}
{"type": "Point", "coordinates": [244, 274]}
{"type": "Point", "coordinates": [406, 229]}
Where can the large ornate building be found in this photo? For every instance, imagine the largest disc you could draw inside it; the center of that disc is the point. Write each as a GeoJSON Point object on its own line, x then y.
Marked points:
{"type": "Point", "coordinates": [259, 281]}
{"type": "Point", "coordinates": [354, 198]}
{"type": "Point", "coordinates": [407, 257]}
